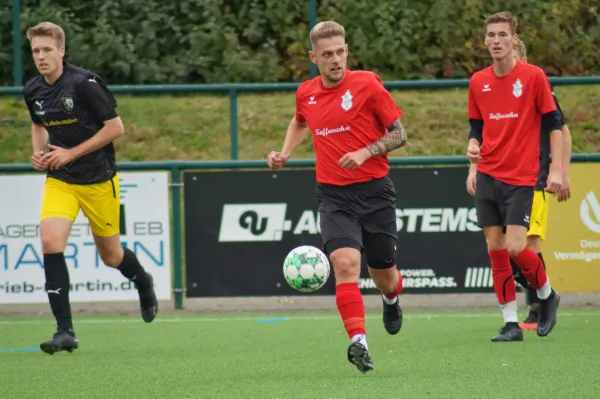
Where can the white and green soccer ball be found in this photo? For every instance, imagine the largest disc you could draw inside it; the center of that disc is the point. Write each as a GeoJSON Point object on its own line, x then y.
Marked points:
{"type": "Point", "coordinates": [306, 268]}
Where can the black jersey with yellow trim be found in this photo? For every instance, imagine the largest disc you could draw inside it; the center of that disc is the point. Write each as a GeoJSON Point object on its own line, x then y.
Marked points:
{"type": "Point", "coordinates": [73, 109]}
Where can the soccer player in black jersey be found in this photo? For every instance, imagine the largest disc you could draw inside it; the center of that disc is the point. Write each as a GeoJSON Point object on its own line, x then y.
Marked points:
{"type": "Point", "coordinates": [539, 211]}
{"type": "Point", "coordinates": [74, 125]}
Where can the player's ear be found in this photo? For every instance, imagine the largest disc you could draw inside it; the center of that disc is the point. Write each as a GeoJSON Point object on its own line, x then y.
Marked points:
{"type": "Point", "coordinates": [346, 48]}
{"type": "Point", "coordinates": [312, 56]}
{"type": "Point", "coordinates": [61, 51]}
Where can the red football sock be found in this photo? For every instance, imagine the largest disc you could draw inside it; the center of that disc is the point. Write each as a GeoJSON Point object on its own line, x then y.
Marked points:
{"type": "Point", "coordinates": [504, 282]}
{"type": "Point", "coordinates": [532, 267]}
{"type": "Point", "coordinates": [398, 289]}
{"type": "Point", "coordinates": [352, 309]}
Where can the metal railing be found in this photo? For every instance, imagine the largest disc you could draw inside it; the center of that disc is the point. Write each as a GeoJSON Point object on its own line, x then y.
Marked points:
{"type": "Point", "coordinates": [234, 89]}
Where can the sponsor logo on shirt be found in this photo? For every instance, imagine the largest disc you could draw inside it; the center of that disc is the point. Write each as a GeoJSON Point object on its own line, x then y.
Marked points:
{"type": "Point", "coordinates": [61, 122]}
{"type": "Point", "coordinates": [327, 131]}
{"type": "Point", "coordinates": [497, 116]}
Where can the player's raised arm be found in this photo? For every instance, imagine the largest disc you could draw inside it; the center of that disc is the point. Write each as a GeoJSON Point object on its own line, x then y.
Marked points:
{"type": "Point", "coordinates": [102, 103]}
{"type": "Point", "coordinates": [395, 137]}
{"type": "Point", "coordinates": [112, 130]}
{"type": "Point", "coordinates": [295, 135]}
{"type": "Point", "coordinates": [39, 141]}
{"type": "Point", "coordinates": [386, 111]}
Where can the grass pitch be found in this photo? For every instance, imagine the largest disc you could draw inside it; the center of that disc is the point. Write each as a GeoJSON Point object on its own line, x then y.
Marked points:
{"type": "Point", "coordinates": [300, 355]}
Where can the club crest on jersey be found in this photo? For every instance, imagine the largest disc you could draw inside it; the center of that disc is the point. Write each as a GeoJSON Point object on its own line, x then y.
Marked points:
{"type": "Point", "coordinates": [347, 101]}
{"type": "Point", "coordinates": [517, 89]}
{"type": "Point", "coordinates": [68, 103]}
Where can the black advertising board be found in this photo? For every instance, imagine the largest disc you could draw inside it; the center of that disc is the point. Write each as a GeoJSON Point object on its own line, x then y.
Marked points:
{"type": "Point", "coordinates": [241, 224]}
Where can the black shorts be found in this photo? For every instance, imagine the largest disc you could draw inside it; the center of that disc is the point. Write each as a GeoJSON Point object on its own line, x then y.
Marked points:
{"type": "Point", "coordinates": [360, 216]}
{"type": "Point", "coordinates": [502, 204]}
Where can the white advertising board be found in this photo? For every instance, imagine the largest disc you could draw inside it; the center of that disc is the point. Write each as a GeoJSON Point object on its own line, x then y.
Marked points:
{"type": "Point", "coordinates": [145, 202]}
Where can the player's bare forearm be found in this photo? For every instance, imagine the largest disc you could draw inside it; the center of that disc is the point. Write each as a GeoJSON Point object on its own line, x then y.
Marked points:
{"type": "Point", "coordinates": [556, 144]}
{"type": "Point", "coordinates": [39, 137]}
{"type": "Point", "coordinates": [294, 137]}
{"type": "Point", "coordinates": [567, 145]}
{"type": "Point", "coordinates": [394, 138]}
{"type": "Point", "coordinates": [472, 168]}
{"type": "Point", "coordinates": [112, 130]}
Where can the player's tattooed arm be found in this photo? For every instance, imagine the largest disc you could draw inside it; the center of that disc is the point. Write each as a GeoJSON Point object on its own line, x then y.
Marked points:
{"type": "Point", "coordinates": [394, 138]}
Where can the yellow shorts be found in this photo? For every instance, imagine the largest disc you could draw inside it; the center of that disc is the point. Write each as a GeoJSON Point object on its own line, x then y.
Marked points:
{"type": "Point", "coordinates": [99, 202]}
{"type": "Point", "coordinates": [539, 214]}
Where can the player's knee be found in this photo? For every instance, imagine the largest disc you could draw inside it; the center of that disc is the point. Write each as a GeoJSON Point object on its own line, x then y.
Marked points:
{"type": "Point", "coordinates": [50, 246]}
{"type": "Point", "coordinates": [495, 238]}
{"type": "Point", "coordinates": [385, 279]}
{"type": "Point", "coordinates": [533, 243]}
{"type": "Point", "coordinates": [54, 234]}
{"type": "Point", "coordinates": [112, 258]}
{"type": "Point", "coordinates": [515, 247]}
{"type": "Point", "coordinates": [110, 250]}
{"type": "Point", "coordinates": [53, 242]}
{"type": "Point", "coordinates": [346, 264]}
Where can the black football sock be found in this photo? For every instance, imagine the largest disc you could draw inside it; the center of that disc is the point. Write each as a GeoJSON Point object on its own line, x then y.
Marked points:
{"type": "Point", "coordinates": [57, 288]}
{"type": "Point", "coordinates": [532, 297]}
{"type": "Point", "coordinates": [131, 268]}
{"type": "Point", "coordinates": [518, 275]}
{"type": "Point", "coordinates": [542, 259]}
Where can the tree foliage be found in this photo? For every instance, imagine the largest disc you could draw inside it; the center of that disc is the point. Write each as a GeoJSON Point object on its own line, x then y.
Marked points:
{"type": "Point", "coordinates": [198, 41]}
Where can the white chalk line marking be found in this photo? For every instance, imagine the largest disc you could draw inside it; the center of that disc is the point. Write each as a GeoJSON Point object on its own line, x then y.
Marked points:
{"type": "Point", "coordinates": [193, 319]}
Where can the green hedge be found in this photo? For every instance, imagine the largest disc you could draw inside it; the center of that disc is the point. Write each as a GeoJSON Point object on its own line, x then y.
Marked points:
{"type": "Point", "coordinates": [197, 41]}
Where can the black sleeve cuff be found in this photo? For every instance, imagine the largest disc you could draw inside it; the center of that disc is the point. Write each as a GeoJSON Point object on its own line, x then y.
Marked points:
{"type": "Point", "coordinates": [551, 121]}
{"type": "Point", "coordinates": [476, 131]}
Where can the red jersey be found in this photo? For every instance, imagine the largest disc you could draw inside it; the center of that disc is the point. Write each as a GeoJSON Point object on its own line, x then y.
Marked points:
{"type": "Point", "coordinates": [511, 108]}
{"type": "Point", "coordinates": [346, 118]}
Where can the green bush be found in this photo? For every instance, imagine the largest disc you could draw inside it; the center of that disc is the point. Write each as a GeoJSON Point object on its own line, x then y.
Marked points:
{"type": "Point", "coordinates": [197, 41]}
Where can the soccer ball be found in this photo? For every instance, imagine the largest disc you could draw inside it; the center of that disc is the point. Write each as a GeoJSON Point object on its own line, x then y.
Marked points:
{"type": "Point", "coordinates": [306, 268]}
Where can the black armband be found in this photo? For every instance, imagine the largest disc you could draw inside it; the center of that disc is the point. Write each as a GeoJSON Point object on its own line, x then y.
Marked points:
{"type": "Point", "coordinates": [563, 119]}
{"type": "Point", "coordinates": [476, 131]}
{"type": "Point", "coordinates": [551, 121]}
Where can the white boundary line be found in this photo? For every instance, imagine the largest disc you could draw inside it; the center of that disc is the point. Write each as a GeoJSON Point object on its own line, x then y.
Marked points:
{"type": "Point", "coordinates": [265, 319]}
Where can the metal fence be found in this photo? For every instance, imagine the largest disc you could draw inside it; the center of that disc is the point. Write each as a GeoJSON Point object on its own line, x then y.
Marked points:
{"type": "Point", "coordinates": [234, 89]}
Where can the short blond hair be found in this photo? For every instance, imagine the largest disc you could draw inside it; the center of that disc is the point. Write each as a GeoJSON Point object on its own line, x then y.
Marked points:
{"type": "Point", "coordinates": [326, 30]}
{"type": "Point", "coordinates": [47, 29]}
{"type": "Point", "coordinates": [501, 17]}
{"type": "Point", "coordinates": [521, 49]}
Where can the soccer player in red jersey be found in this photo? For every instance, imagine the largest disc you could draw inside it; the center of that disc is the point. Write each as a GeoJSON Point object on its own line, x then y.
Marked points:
{"type": "Point", "coordinates": [539, 211]}
{"type": "Point", "coordinates": [354, 123]}
{"type": "Point", "coordinates": [507, 104]}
